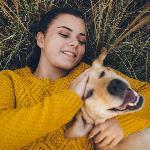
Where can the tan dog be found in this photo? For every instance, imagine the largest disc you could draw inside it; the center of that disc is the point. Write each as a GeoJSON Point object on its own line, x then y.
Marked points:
{"type": "Point", "coordinates": [106, 95]}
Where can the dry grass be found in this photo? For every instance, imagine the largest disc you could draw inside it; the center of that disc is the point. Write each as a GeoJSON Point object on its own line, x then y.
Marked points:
{"type": "Point", "coordinates": [120, 25]}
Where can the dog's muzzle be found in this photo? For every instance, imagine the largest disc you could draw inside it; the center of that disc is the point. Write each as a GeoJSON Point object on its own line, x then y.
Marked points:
{"type": "Point", "coordinates": [131, 101]}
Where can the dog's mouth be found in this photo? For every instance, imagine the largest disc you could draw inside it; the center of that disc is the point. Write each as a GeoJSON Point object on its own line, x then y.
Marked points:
{"type": "Point", "coordinates": [131, 102]}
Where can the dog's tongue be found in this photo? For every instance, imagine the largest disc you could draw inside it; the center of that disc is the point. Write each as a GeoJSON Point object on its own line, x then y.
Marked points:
{"type": "Point", "coordinates": [129, 97]}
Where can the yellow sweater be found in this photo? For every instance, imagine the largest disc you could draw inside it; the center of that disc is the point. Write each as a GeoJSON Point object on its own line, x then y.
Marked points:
{"type": "Point", "coordinates": [33, 111]}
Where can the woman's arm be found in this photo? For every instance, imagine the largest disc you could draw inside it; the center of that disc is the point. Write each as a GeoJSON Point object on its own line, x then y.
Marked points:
{"type": "Point", "coordinates": [19, 127]}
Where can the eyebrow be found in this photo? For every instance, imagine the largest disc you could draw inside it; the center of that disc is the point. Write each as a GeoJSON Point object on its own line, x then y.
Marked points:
{"type": "Point", "coordinates": [71, 30]}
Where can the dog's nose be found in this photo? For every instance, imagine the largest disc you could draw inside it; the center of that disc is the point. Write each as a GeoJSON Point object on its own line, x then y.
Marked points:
{"type": "Point", "coordinates": [117, 87]}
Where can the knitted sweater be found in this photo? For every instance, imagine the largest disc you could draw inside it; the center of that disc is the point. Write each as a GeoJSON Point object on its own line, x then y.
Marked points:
{"type": "Point", "coordinates": [33, 111]}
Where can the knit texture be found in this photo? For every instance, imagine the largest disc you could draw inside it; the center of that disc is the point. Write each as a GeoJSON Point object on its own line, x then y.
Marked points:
{"type": "Point", "coordinates": [33, 111]}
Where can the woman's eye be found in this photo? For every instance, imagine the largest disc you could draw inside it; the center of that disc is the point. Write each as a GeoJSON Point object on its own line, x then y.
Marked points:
{"type": "Point", "coordinates": [82, 42]}
{"type": "Point", "coordinates": [64, 35]}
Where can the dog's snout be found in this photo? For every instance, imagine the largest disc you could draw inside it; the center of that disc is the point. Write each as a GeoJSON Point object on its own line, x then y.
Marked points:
{"type": "Point", "coordinates": [117, 87]}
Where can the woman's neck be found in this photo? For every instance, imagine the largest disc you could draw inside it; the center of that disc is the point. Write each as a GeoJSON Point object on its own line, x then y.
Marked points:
{"type": "Point", "coordinates": [49, 72]}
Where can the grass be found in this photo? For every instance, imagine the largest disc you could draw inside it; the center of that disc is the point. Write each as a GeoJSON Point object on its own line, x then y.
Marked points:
{"type": "Point", "coordinates": [120, 25]}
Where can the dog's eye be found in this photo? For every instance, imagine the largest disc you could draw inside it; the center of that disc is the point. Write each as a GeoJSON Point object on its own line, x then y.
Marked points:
{"type": "Point", "coordinates": [89, 94]}
{"type": "Point", "coordinates": [84, 121]}
{"type": "Point", "coordinates": [102, 74]}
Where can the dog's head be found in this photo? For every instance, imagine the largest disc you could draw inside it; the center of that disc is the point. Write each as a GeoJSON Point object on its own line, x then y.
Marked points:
{"type": "Point", "coordinates": [108, 94]}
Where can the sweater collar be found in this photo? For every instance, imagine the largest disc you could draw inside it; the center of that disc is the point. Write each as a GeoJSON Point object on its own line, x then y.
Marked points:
{"type": "Point", "coordinates": [27, 72]}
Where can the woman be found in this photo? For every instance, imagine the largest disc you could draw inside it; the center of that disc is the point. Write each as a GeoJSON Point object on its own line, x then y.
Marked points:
{"type": "Point", "coordinates": [36, 105]}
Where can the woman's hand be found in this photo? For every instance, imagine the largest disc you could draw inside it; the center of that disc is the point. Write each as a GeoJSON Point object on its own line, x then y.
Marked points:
{"type": "Point", "coordinates": [107, 134]}
{"type": "Point", "coordinates": [79, 84]}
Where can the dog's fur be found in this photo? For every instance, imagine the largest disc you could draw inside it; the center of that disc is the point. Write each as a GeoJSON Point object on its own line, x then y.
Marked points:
{"type": "Point", "coordinates": [135, 141]}
{"type": "Point", "coordinates": [106, 95]}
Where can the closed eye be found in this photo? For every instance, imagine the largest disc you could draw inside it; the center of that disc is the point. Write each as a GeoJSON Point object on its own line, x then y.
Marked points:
{"type": "Point", "coordinates": [82, 42]}
{"type": "Point", "coordinates": [89, 94]}
{"type": "Point", "coordinates": [64, 35]}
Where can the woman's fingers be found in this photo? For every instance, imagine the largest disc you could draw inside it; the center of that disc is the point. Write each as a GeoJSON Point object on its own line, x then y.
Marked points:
{"type": "Point", "coordinates": [102, 136]}
{"type": "Point", "coordinates": [97, 129]}
{"type": "Point", "coordinates": [114, 142]}
{"type": "Point", "coordinates": [107, 134]}
{"type": "Point", "coordinates": [105, 142]}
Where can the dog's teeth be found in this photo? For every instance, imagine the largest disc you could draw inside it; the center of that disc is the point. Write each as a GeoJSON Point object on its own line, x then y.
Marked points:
{"type": "Point", "coordinates": [131, 104]}
{"type": "Point", "coordinates": [137, 100]}
{"type": "Point", "coordinates": [135, 103]}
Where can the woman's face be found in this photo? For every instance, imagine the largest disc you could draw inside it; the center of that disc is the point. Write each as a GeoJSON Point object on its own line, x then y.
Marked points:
{"type": "Point", "coordinates": [63, 45]}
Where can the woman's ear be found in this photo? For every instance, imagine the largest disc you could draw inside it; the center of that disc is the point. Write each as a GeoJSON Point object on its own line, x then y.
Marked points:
{"type": "Point", "coordinates": [40, 39]}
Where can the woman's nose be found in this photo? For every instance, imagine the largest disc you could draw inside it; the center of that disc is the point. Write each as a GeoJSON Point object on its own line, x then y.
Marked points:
{"type": "Point", "coordinates": [74, 43]}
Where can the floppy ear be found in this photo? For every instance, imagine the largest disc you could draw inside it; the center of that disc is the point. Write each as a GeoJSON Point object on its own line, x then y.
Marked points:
{"type": "Point", "coordinates": [103, 55]}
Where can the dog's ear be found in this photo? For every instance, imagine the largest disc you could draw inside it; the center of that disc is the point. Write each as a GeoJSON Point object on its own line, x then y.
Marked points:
{"type": "Point", "coordinates": [103, 55]}
{"type": "Point", "coordinates": [99, 61]}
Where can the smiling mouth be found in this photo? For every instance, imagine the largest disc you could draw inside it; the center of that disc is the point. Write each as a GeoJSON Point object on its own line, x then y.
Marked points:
{"type": "Point", "coordinates": [131, 102]}
{"type": "Point", "coordinates": [69, 54]}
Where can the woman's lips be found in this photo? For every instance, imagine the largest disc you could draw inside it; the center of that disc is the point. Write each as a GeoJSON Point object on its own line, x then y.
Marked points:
{"type": "Point", "coordinates": [69, 54]}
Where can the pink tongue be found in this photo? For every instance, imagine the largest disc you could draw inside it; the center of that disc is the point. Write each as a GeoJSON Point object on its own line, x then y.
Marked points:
{"type": "Point", "coordinates": [128, 98]}
{"type": "Point", "coordinates": [122, 107]}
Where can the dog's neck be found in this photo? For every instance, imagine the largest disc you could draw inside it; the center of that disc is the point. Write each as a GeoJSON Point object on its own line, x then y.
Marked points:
{"type": "Point", "coordinates": [91, 120]}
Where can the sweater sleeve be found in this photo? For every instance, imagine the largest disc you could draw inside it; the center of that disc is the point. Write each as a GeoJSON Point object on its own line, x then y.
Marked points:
{"type": "Point", "coordinates": [137, 121]}
{"type": "Point", "coordinates": [19, 127]}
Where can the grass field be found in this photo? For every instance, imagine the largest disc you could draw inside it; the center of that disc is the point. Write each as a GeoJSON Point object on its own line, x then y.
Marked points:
{"type": "Point", "coordinates": [123, 26]}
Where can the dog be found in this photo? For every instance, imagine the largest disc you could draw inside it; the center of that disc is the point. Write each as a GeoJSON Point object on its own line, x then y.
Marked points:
{"type": "Point", "coordinates": [106, 95]}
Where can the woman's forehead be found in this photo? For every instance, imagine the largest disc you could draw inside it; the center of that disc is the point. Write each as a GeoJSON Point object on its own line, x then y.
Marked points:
{"type": "Point", "coordinates": [70, 21]}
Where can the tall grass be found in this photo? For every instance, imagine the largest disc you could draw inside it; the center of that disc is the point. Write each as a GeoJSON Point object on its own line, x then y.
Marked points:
{"type": "Point", "coordinates": [120, 25]}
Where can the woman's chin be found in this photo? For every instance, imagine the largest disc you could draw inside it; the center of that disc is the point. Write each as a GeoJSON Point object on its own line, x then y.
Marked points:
{"type": "Point", "coordinates": [67, 66]}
